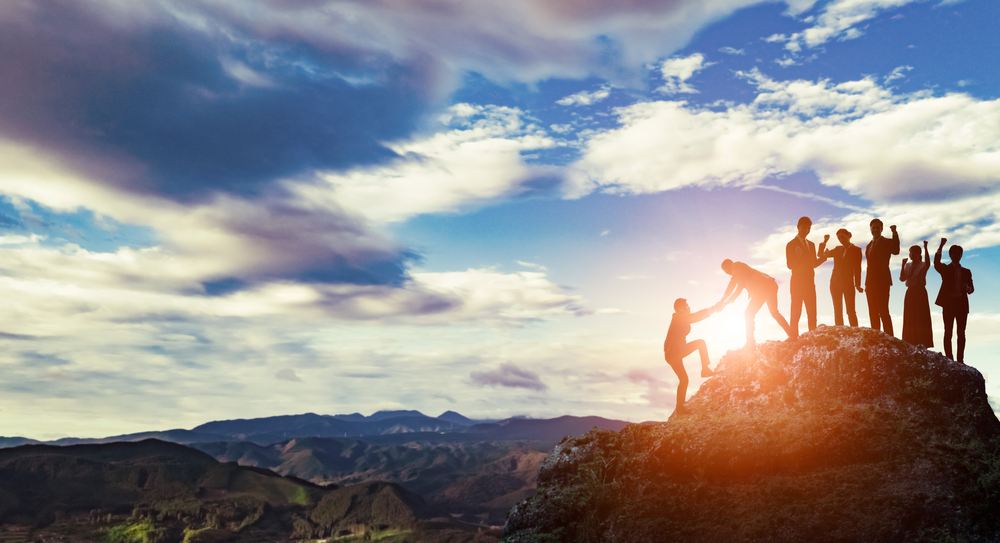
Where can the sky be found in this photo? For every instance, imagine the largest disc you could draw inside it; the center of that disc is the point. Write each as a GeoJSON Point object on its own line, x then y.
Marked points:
{"type": "Point", "coordinates": [219, 209]}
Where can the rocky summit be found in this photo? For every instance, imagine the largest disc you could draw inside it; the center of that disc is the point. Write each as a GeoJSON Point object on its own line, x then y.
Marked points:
{"type": "Point", "coordinates": [842, 435]}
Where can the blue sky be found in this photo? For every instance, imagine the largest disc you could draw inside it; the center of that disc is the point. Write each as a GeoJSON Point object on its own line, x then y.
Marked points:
{"type": "Point", "coordinates": [213, 209]}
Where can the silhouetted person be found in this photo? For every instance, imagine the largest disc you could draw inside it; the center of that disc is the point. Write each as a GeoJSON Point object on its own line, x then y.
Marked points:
{"type": "Point", "coordinates": [916, 310]}
{"type": "Point", "coordinates": [676, 346]}
{"type": "Point", "coordinates": [878, 279]}
{"type": "Point", "coordinates": [845, 278]}
{"type": "Point", "coordinates": [956, 285]}
{"type": "Point", "coordinates": [761, 288]}
{"type": "Point", "coordinates": [801, 257]}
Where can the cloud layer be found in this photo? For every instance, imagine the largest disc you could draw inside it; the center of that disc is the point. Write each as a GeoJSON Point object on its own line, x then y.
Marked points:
{"type": "Point", "coordinates": [855, 135]}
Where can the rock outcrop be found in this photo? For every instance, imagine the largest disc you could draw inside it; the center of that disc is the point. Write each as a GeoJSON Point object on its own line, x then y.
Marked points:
{"type": "Point", "coordinates": [845, 434]}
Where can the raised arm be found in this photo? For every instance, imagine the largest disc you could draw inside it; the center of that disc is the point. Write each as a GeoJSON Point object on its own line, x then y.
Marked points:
{"type": "Point", "coordinates": [937, 257]}
{"type": "Point", "coordinates": [927, 255]}
{"type": "Point", "coordinates": [895, 240]}
{"type": "Point", "coordinates": [903, 272]}
{"type": "Point", "coordinates": [821, 254]}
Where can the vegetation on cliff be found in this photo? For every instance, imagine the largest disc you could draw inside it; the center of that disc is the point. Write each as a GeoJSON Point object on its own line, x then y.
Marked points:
{"type": "Point", "coordinates": [845, 434]}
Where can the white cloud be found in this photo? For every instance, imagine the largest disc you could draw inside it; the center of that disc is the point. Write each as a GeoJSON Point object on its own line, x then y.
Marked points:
{"type": "Point", "coordinates": [898, 73]}
{"type": "Point", "coordinates": [855, 135]}
{"type": "Point", "coordinates": [838, 21]}
{"type": "Point", "coordinates": [477, 160]}
{"type": "Point", "coordinates": [732, 51]}
{"type": "Point", "coordinates": [676, 72]}
{"type": "Point", "coordinates": [584, 98]}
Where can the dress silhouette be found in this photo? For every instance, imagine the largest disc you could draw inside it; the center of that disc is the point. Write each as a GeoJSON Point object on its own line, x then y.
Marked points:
{"type": "Point", "coordinates": [846, 277]}
{"type": "Point", "coordinates": [761, 288]}
{"type": "Point", "coordinates": [916, 309]}
{"type": "Point", "coordinates": [676, 346]}
{"type": "Point", "coordinates": [878, 279]}
{"type": "Point", "coordinates": [802, 258]}
{"type": "Point", "coordinates": [956, 285]}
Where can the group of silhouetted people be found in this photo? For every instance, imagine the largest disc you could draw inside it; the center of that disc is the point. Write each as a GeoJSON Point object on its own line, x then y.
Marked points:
{"type": "Point", "coordinates": [802, 258]}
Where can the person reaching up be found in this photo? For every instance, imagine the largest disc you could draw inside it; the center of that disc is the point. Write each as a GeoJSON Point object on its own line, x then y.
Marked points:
{"type": "Point", "coordinates": [676, 346]}
{"type": "Point", "coordinates": [916, 311]}
{"type": "Point", "coordinates": [878, 280]}
{"type": "Point", "coordinates": [956, 285]}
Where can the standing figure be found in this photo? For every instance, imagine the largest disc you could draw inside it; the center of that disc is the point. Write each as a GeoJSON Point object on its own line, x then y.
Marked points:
{"type": "Point", "coordinates": [801, 257]}
{"type": "Point", "coordinates": [916, 310]}
{"type": "Point", "coordinates": [878, 279]}
{"type": "Point", "coordinates": [956, 285]}
{"type": "Point", "coordinates": [761, 288]}
{"type": "Point", "coordinates": [845, 278]}
{"type": "Point", "coordinates": [676, 346]}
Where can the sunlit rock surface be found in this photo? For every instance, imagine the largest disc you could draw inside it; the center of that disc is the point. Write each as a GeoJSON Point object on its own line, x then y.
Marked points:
{"type": "Point", "coordinates": [845, 434]}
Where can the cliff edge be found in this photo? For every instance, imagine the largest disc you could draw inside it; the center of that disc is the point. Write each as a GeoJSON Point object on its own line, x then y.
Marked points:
{"type": "Point", "coordinates": [845, 434]}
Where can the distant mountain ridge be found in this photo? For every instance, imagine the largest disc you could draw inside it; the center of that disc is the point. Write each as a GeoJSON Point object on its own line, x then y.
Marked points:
{"type": "Point", "coordinates": [380, 427]}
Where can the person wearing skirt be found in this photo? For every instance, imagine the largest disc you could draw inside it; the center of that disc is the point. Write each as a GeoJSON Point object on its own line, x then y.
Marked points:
{"type": "Point", "coordinates": [916, 309]}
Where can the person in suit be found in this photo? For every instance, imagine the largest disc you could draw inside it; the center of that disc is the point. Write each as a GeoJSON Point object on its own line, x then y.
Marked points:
{"type": "Point", "coordinates": [761, 288]}
{"type": "Point", "coordinates": [878, 279]}
{"type": "Point", "coordinates": [845, 278]}
{"type": "Point", "coordinates": [676, 346]}
{"type": "Point", "coordinates": [916, 311]}
{"type": "Point", "coordinates": [956, 285]}
{"type": "Point", "coordinates": [802, 258]}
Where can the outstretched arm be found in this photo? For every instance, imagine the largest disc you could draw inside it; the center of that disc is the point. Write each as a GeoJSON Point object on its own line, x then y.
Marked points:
{"type": "Point", "coordinates": [732, 289]}
{"type": "Point", "coordinates": [703, 314]}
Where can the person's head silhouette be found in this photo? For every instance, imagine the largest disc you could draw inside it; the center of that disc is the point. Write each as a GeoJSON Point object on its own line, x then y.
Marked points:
{"type": "Point", "coordinates": [681, 306]}
{"type": "Point", "coordinates": [844, 236]}
{"type": "Point", "coordinates": [804, 225]}
{"type": "Point", "coordinates": [955, 252]}
{"type": "Point", "coordinates": [727, 266]}
{"type": "Point", "coordinates": [915, 253]}
{"type": "Point", "coordinates": [876, 228]}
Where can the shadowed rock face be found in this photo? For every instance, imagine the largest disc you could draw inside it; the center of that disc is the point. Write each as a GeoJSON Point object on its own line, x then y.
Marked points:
{"type": "Point", "coordinates": [845, 434]}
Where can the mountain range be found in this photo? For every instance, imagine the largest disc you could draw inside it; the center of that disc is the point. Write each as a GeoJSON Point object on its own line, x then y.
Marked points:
{"type": "Point", "coordinates": [381, 427]}
{"type": "Point", "coordinates": [472, 469]}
